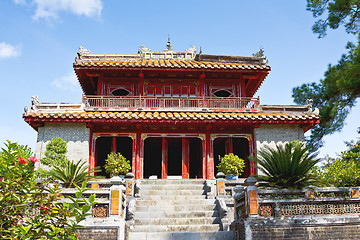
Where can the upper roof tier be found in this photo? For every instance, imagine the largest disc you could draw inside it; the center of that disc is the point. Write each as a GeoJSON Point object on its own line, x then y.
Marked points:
{"type": "Point", "coordinates": [168, 64]}
{"type": "Point", "coordinates": [169, 59]}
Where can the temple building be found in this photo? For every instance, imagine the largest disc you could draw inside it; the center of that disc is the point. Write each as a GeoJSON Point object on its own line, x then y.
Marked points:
{"type": "Point", "coordinates": [172, 114]}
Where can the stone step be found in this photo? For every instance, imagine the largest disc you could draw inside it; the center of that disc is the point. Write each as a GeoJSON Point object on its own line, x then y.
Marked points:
{"type": "Point", "coordinates": [179, 214]}
{"type": "Point", "coordinates": [173, 197]}
{"type": "Point", "coordinates": [175, 208]}
{"type": "Point", "coordinates": [173, 187]}
{"type": "Point", "coordinates": [176, 228]}
{"type": "Point", "coordinates": [171, 192]}
{"type": "Point", "coordinates": [177, 221]}
{"type": "Point", "coordinates": [167, 181]}
{"type": "Point", "coordinates": [174, 202]}
{"type": "Point", "coordinates": [228, 235]}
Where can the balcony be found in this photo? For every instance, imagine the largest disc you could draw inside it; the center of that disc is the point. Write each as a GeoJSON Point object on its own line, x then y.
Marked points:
{"type": "Point", "coordinates": [196, 104]}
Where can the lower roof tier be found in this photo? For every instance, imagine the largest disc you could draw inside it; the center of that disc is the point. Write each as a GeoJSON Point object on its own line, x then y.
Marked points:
{"type": "Point", "coordinates": [306, 120]}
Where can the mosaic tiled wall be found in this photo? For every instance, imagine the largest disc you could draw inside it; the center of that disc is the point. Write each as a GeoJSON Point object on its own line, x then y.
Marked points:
{"type": "Point", "coordinates": [275, 134]}
{"type": "Point", "coordinates": [76, 135]}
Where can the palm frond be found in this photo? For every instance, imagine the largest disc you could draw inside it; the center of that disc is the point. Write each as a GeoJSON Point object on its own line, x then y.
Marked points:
{"type": "Point", "coordinates": [286, 166]}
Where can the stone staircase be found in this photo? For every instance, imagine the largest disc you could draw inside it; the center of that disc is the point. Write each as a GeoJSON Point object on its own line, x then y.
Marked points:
{"type": "Point", "coordinates": [176, 209]}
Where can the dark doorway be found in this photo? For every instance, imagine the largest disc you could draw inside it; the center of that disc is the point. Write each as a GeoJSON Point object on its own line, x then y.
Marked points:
{"type": "Point", "coordinates": [195, 158]}
{"type": "Point", "coordinates": [174, 156]}
{"type": "Point", "coordinates": [124, 145]}
{"type": "Point", "coordinates": [152, 157]}
{"type": "Point", "coordinates": [241, 149]}
{"type": "Point", "coordinates": [103, 148]}
{"type": "Point", "coordinates": [219, 151]}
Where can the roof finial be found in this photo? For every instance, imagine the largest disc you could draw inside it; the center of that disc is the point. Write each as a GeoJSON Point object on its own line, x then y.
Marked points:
{"type": "Point", "coordinates": [168, 45]}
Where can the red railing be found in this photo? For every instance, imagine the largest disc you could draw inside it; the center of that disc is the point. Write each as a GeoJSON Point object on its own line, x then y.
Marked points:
{"type": "Point", "coordinates": [145, 103]}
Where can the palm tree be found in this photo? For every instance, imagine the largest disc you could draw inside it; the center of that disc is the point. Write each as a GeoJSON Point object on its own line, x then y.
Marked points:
{"type": "Point", "coordinates": [71, 174]}
{"type": "Point", "coordinates": [286, 166]}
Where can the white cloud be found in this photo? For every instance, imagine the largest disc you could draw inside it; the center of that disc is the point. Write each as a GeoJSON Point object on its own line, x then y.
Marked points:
{"type": "Point", "coordinates": [50, 8]}
{"type": "Point", "coordinates": [20, 2]}
{"type": "Point", "coordinates": [67, 82]}
{"type": "Point", "coordinates": [9, 51]}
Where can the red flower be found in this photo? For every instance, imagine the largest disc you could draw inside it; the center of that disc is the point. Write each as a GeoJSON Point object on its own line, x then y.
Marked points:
{"type": "Point", "coordinates": [33, 159]}
{"type": "Point", "coordinates": [44, 209]}
{"type": "Point", "coordinates": [22, 161]}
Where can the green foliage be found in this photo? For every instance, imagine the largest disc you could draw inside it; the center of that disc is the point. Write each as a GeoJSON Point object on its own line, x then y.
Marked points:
{"type": "Point", "coordinates": [286, 166]}
{"type": "Point", "coordinates": [55, 154]}
{"type": "Point", "coordinates": [231, 164]}
{"type": "Point", "coordinates": [30, 210]}
{"type": "Point", "coordinates": [343, 173]}
{"type": "Point", "coordinates": [337, 12]}
{"type": "Point", "coordinates": [353, 152]}
{"type": "Point", "coordinates": [116, 164]}
{"type": "Point", "coordinates": [71, 174]}
{"type": "Point", "coordinates": [334, 96]}
{"type": "Point", "coordinates": [9, 166]}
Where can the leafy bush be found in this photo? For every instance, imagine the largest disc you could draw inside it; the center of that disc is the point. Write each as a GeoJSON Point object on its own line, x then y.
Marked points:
{"type": "Point", "coordinates": [55, 154]}
{"type": "Point", "coordinates": [30, 210]}
{"type": "Point", "coordinates": [116, 164]}
{"type": "Point", "coordinates": [231, 164]}
{"type": "Point", "coordinates": [343, 173]}
{"type": "Point", "coordinates": [286, 166]}
{"type": "Point", "coordinates": [71, 174]}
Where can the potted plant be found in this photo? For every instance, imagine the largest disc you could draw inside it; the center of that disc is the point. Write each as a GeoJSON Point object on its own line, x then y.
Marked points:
{"type": "Point", "coordinates": [116, 164]}
{"type": "Point", "coordinates": [231, 165]}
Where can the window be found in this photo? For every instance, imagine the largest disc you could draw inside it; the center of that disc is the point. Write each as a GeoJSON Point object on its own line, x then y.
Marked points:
{"type": "Point", "coordinates": [175, 90]}
{"type": "Point", "coordinates": [120, 92]}
{"type": "Point", "coordinates": [222, 93]}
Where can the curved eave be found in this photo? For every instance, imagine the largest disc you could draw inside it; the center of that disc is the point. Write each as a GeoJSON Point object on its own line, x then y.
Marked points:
{"type": "Point", "coordinates": [305, 121]}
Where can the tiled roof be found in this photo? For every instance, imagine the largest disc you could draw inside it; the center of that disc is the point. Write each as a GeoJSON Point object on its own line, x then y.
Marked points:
{"type": "Point", "coordinates": [133, 115]}
{"type": "Point", "coordinates": [173, 64]}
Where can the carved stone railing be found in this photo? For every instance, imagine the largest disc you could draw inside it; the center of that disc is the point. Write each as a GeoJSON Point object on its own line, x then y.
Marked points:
{"type": "Point", "coordinates": [308, 202]}
{"type": "Point", "coordinates": [279, 203]}
{"type": "Point", "coordinates": [110, 197]}
{"type": "Point", "coordinates": [146, 103]}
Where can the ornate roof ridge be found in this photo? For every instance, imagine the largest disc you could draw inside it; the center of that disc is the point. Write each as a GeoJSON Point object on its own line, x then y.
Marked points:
{"type": "Point", "coordinates": [168, 53]}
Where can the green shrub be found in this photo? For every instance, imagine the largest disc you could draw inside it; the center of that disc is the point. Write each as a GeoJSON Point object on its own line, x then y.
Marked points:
{"type": "Point", "coordinates": [286, 166]}
{"type": "Point", "coordinates": [231, 164]}
{"type": "Point", "coordinates": [55, 154]}
{"type": "Point", "coordinates": [343, 173]}
{"type": "Point", "coordinates": [116, 164]}
{"type": "Point", "coordinates": [30, 210]}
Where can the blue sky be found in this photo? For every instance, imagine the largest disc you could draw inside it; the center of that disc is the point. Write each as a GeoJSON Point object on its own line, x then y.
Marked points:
{"type": "Point", "coordinates": [39, 40]}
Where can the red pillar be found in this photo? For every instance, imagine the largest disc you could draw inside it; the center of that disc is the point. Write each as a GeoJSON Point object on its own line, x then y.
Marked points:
{"type": "Point", "coordinates": [100, 85]}
{"type": "Point", "coordinates": [229, 145]}
{"type": "Point", "coordinates": [139, 153]}
{"type": "Point", "coordinates": [185, 158]}
{"type": "Point", "coordinates": [204, 152]}
{"type": "Point", "coordinates": [209, 157]}
{"type": "Point", "coordinates": [92, 143]}
{"type": "Point", "coordinates": [164, 162]}
{"type": "Point", "coordinates": [113, 145]}
{"type": "Point", "coordinates": [141, 84]}
{"type": "Point", "coordinates": [202, 85]}
{"type": "Point", "coordinates": [242, 86]}
{"type": "Point", "coordinates": [133, 161]}
{"type": "Point", "coordinates": [252, 153]}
